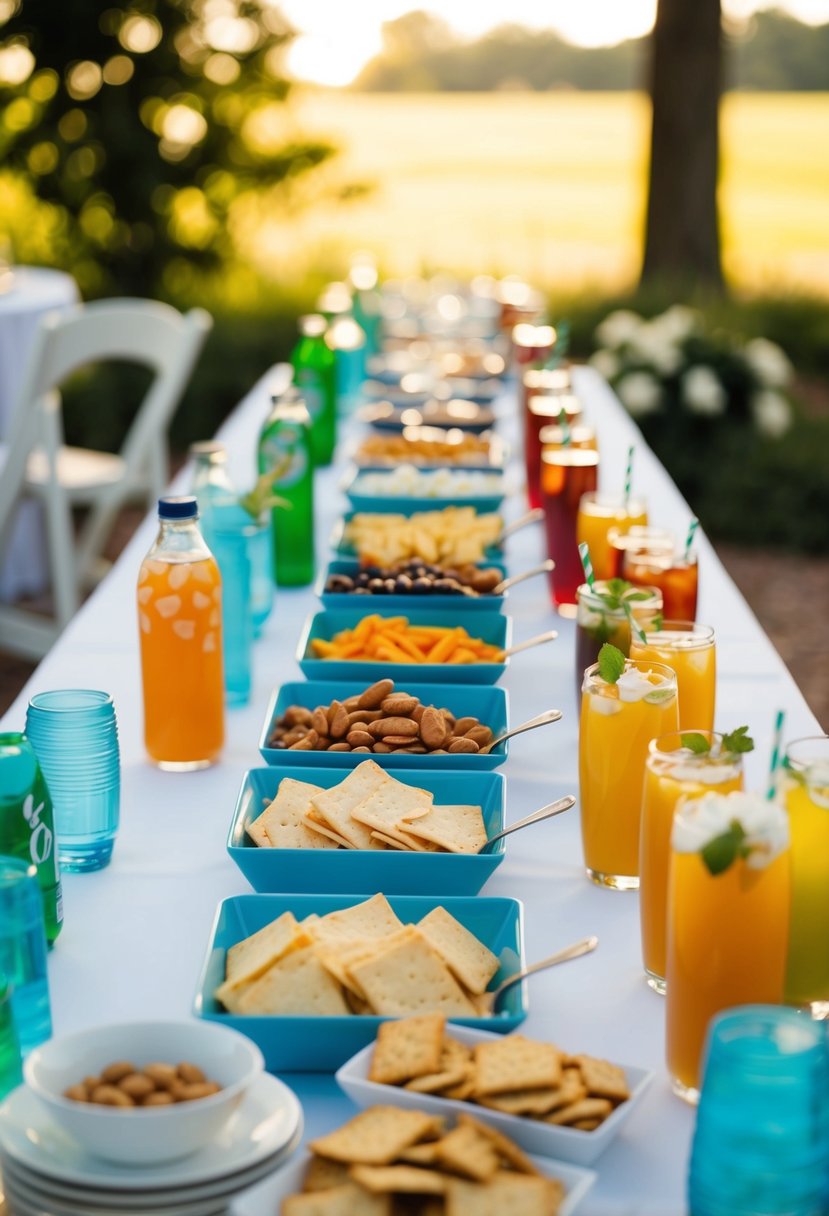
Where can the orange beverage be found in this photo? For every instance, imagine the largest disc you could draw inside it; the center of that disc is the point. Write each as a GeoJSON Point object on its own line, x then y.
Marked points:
{"type": "Point", "coordinates": [539, 414]}
{"type": "Point", "coordinates": [675, 575]}
{"type": "Point", "coordinates": [691, 650]}
{"type": "Point", "coordinates": [180, 627]}
{"type": "Point", "coordinates": [598, 513]}
{"type": "Point", "coordinates": [636, 538]}
{"type": "Point", "coordinates": [673, 773]}
{"type": "Point", "coordinates": [617, 723]}
{"type": "Point", "coordinates": [805, 787]}
{"type": "Point", "coordinates": [727, 931]}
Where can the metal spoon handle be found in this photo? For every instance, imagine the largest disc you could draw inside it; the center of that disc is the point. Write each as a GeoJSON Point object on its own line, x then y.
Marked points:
{"type": "Point", "coordinates": [549, 715]}
{"type": "Point", "coordinates": [585, 946]}
{"type": "Point", "coordinates": [531, 517]}
{"type": "Point", "coordinates": [542, 568]}
{"type": "Point", "coordinates": [546, 812]}
{"type": "Point", "coordinates": [538, 640]}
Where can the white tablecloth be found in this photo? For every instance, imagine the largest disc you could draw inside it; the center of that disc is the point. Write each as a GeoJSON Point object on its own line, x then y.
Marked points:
{"type": "Point", "coordinates": [135, 933]}
{"type": "Point", "coordinates": [34, 292]}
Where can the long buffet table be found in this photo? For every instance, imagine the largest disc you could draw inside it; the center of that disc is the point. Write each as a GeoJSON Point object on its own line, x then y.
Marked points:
{"type": "Point", "coordinates": [135, 933]}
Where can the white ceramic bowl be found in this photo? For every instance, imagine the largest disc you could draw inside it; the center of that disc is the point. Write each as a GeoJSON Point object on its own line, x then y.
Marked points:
{"type": "Point", "coordinates": [136, 1136]}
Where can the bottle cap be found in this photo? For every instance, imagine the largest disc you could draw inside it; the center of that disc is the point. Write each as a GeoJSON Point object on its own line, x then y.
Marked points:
{"type": "Point", "coordinates": [312, 325]}
{"type": "Point", "coordinates": [184, 506]}
{"type": "Point", "coordinates": [208, 447]}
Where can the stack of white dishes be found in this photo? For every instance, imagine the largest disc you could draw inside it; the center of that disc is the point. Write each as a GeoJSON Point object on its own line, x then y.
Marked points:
{"type": "Point", "coordinates": [47, 1173]}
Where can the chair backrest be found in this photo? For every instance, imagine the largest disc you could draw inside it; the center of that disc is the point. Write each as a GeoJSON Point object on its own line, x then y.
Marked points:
{"type": "Point", "coordinates": [29, 430]}
{"type": "Point", "coordinates": [138, 331]}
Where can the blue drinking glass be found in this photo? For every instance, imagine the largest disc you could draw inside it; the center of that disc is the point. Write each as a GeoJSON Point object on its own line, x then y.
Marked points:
{"type": "Point", "coordinates": [75, 737]}
{"type": "Point", "coordinates": [23, 951]}
{"type": "Point", "coordinates": [11, 1070]}
{"type": "Point", "coordinates": [260, 550]}
{"type": "Point", "coordinates": [231, 533]}
{"type": "Point", "coordinates": [761, 1144]}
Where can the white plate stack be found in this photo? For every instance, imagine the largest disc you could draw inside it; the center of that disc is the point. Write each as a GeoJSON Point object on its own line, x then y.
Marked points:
{"type": "Point", "coordinates": [45, 1173]}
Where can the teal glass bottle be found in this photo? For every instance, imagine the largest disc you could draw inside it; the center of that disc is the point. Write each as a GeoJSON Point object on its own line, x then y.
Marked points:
{"type": "Point", "coordinates": [315, 374]}
{"type": "Point", "coordinates": [285, 449]}
{"type": "Point", "coordinates": [27, 824]}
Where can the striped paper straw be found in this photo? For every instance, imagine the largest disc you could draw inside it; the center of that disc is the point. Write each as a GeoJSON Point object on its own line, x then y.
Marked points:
{"type": "Point", "coordinates": [689, 539]}
{"type": "Point", "coordinates": [584, 554]}
{"type": "Point", "coordinates": [774, 764]}
{"type": "Point", "coordinates": [629, 474]}
{"type": "Point", "coordinates": [565, 428]}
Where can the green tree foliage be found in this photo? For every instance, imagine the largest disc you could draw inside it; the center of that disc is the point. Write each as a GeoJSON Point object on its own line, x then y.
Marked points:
{"type": "Point", "coordinates": [421, 54]}
{"type": "Point", "coordinates": [144, 128]}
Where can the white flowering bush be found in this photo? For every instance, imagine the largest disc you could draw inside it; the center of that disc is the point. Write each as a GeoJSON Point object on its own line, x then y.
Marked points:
{"type": "Point", "coordinates": [670, 366]}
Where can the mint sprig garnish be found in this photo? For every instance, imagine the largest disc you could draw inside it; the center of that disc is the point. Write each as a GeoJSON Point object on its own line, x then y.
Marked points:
{"type": "Point", "coordinates": [738, 741]}
{"type": "Point", "coordinates": [611, 663]}
{"type": "Point", "coordinates": [723, 850]}
{"type": "Point", "coordinates": [696, 743]}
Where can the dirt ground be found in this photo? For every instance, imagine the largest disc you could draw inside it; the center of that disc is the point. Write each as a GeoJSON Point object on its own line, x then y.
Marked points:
{"type": "Point", "coordinates": [786, 592]}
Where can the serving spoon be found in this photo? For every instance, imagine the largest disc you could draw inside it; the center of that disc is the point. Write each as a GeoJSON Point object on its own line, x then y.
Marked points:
{"type": "Point", "coordinates": [488, 1000]}
{"type": "Point", "coordinates": [538, 640]}
{"type": "Point", "coordinates": [546, 812]}
{"type": "Point", "coordinates": [531, 517]}
{"type": "Point", "coordinates": [549, 715]}
{"type": "Point", "coordinates": [505, 583]}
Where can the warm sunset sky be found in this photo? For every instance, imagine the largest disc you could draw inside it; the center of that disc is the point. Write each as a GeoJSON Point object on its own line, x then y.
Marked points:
{"type": "Point", "coordinates": [338, 37]}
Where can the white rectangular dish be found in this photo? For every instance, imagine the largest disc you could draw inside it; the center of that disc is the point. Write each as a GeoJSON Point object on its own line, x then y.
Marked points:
{"type": "Point", "coordinates": [545, 1139]}
{"type": "Point", "coordinates": [266, 1197]}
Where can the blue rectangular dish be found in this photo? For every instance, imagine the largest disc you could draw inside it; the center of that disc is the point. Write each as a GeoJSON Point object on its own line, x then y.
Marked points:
{"type": "Point", "coordinates": [402, 504]}
{"type": "Point", "coordinates": [488, 704]}
{"type": "Point", "coordinates": [309, 1044]}
{"type": "Point", "coordinates": [395, 873]}
{"type": "Point", "coordinates": [460, 604]}
{"type": "Point", "coordinates": [342, 548]}
{"type": "Point", "coordinates": [492, 627]}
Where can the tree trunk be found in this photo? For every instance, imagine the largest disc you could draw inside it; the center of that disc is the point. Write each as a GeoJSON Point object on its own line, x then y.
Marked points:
{"type": "Point", "coordinates": [682, 240]}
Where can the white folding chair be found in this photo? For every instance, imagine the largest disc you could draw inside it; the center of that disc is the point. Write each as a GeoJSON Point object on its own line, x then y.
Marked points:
{"type": "Point", "coordinates": [38, 429]}
{"type": "Point", "coordinates": [137, 331]}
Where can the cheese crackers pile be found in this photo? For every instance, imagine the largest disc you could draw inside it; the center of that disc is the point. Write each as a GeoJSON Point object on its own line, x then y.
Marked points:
{"type": "Point", "coordinates": [360, 960]}
{"type": "Point", "coordinates": [454, 535]}
{"type": "Point", "coordinates": [367, 810]}
{"type": "Point", "coordinates": [513, 1075]}
{"type": "Point", "coordinates": [388, 1160]}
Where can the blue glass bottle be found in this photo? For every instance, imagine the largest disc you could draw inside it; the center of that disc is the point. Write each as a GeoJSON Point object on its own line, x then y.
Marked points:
{"type": "Point", "coordinates": [213, 487]}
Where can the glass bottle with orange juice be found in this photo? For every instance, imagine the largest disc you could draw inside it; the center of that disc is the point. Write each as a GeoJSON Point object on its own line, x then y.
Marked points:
{"type": "Point", "coordinates": [180, 629]}
{"type": "Point", "coordinates": [728, 919]}
{"type": "Point", "coordinates": [679, 766]}
{"type": "Point", "coordinates": [624, 705]}
{"type": "Point", "coordinates": [598, 513]}
{"type": "Point", "coordinates": [805, 787]}
{"type": "Point", "coordinates": [691, 650]}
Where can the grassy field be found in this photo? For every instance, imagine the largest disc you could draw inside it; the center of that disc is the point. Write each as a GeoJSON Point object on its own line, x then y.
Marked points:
{"type": "Point", "coordinates": [553, 185]}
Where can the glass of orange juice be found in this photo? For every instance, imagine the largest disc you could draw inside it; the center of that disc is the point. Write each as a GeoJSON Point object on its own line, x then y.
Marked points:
{"type": "Point", "coordinates": [691, 650]}
{"type": "Point", "coordinates": [805, 788]}
{"type": "Point", "coordinates": [623, 707]}
{"type": "Point", "coordinates": [728, 919]}
{"type": "Point", "coordinates": [679, 766]}
{"type": "Point", "coordinates": [180, 628]}
{"type": "Point", "coordinates": [598, 513]}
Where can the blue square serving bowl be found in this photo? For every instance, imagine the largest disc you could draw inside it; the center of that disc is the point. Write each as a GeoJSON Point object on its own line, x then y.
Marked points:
{"type": "Point", "coordinates": [460, 604]}
{"type": "Point", "coordinates": [343, 548]}
{"type": "Point", "coordinates": [310, 1044]}
{"type": "Point", "coordinates": [482, 701]}
{"type": "Point", "coordinates": [407, 504]}
{"type": "Point", "coordinates": [492, 627]}
{"type": "Point", "coordinates": [392, 871]}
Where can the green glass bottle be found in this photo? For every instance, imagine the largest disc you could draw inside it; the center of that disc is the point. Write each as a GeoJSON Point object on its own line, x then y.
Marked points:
{"type": "Point", "coordinates": [27, 824]}
{"type": "Point", "coordinates": [315, 374]}
{"type": "Point", "coordinates": [285, 449]}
